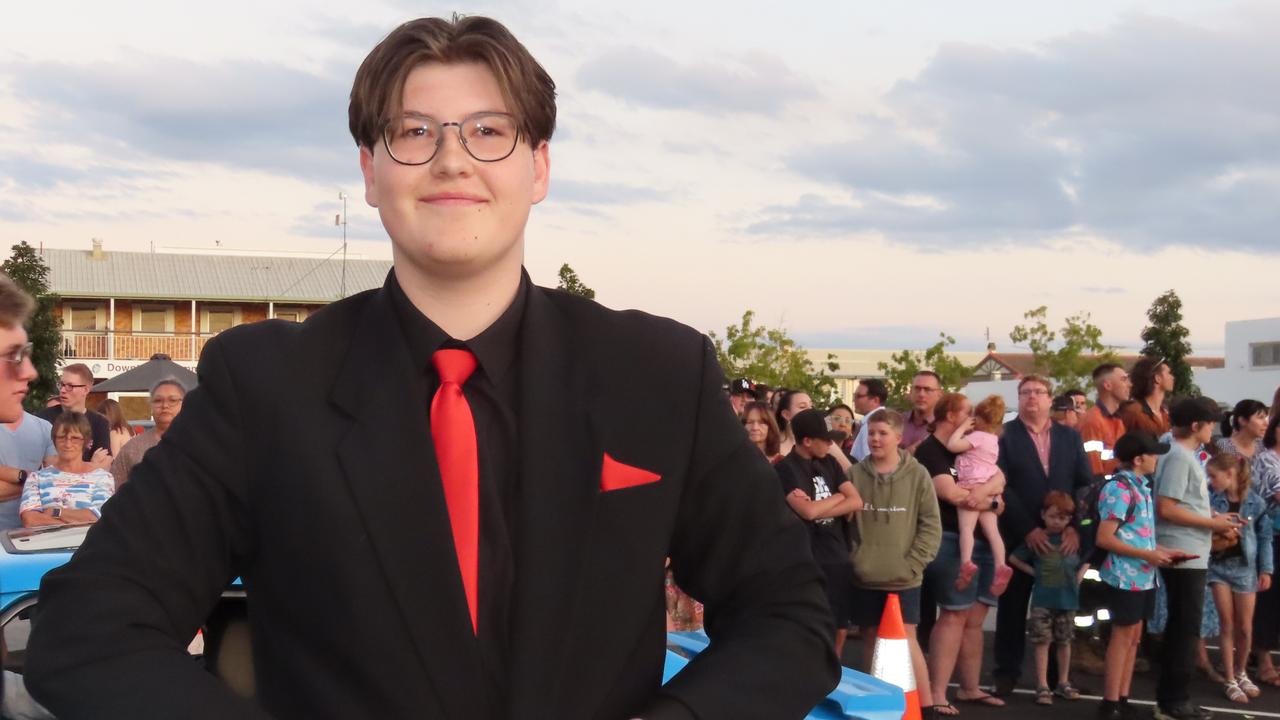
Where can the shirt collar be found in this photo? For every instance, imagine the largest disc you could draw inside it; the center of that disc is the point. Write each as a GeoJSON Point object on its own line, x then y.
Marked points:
{"type": "Point", "coordinates": [1048, 426]}
{"type": "Point", "coordinates": [494, 348]}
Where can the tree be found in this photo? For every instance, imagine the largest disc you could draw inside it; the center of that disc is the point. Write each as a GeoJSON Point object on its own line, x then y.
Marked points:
{"type": "Point", "coordinates": [569, 282]}
{"type": "Point", "coordinates": [905, 365]}
{"type": "Point", "coordinates": [27, 270]}
{"type": "Point", "coordinates": [1069, 362]}
{"type": "Point", "coordinates": [1166, 337]}
{"type": "Point", "coordinates": [769, 356]}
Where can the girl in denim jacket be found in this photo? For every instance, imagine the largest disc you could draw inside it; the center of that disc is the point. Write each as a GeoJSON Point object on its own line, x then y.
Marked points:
{"type": "Point", "coordinates": [1238, 571]}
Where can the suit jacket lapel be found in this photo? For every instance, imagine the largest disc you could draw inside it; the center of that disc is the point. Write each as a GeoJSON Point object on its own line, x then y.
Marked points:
{"type": "Point", "coordinates": [390, 464]}
{"type": "Point", "coordinates": [1022, 435]}
{"type": "Point", "coordinates": [560, 461]}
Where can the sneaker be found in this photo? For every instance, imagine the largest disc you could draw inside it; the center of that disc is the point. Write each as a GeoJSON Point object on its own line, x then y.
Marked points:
{"type": "Point", "coordinates": [1184, 710]}
{"type": "Point", "coordinates": [1109, 710]}
{"type": "Point", "coordinates": [1247, 685]}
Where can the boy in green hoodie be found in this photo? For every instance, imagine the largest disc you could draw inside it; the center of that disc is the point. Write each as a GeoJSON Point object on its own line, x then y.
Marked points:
{"type": "Point", "coordinates": [900, 532]}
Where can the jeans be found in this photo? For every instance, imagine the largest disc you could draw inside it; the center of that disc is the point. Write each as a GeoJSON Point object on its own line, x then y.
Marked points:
{"type": "Point", "coordinates": [1185, 590]}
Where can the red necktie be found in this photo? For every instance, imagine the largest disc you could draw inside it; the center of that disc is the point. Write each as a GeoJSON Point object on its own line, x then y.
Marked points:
{"type": "Point", "coordinates": [454, 432]}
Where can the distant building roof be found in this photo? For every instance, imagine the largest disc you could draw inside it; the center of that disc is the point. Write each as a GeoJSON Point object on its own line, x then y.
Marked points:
{"type": "Point", "coordinates": [101, 274]}
{"type": "Point", "coordinates": [1016, 365]}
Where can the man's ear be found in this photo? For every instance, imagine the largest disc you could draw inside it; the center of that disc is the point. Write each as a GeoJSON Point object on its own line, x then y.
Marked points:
{"type": "Point", "coordinates": [541, 172]}
{"type": "Point", "coordinates": [366, 169]}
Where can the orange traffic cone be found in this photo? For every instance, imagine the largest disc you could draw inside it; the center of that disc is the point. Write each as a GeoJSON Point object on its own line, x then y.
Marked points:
{"type": "Point", "coordinates": [892, 659]}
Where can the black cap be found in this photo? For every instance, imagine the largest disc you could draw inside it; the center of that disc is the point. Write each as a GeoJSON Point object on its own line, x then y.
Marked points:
{"type": "Point", "coordinates": [811, 424]}
{"type": "Point", "coordinates": [739, 386]}
{"type": "Point", "coordinates": [1133, 444]}
{"type": "Point", "coordinates": [1063, 403]}
{"type": "Point", "coordinates": [1194, 410]}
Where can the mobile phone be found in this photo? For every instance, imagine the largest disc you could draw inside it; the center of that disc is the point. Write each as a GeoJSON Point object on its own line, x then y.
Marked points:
{"type": "Point", "coordinates": [1183, 558]}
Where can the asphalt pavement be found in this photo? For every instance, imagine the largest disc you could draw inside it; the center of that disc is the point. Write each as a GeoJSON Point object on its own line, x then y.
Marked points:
{"type": "Point", "coordinates": [1203, 692]}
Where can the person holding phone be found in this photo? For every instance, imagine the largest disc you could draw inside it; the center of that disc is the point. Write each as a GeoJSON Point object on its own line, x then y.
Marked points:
{"type": "Point", "coordinates": [1185, 524]}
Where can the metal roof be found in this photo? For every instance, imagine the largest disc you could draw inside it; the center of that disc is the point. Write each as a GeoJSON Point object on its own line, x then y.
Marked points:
{"type": "Point", "coordinates": [77, 273]}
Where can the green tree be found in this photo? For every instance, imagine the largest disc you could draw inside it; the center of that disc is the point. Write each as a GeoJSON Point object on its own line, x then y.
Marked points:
{"type": "Point", "coordinates": [27, 269]}
{"type": "Point", "coordinates": [569, 282]}
{"type": "Point", "coordinates": [767, 355]}
{"type": "Point", "coordinates": [903, 367]}
{"type": "Point", "coordinates": [1166, 337]}
{"type": "Point", "coordinates": [1067, 356]}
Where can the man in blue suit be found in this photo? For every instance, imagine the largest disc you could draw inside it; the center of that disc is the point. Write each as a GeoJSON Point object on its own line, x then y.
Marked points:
{"type": "Point", "coordinates": [1037, 455]}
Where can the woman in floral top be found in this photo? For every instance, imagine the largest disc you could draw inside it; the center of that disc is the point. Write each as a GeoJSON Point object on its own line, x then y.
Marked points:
{"type": "Point", "coordinates": [70, 490]}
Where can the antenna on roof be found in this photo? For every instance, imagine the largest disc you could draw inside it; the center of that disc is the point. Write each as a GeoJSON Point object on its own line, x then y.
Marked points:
{"type": "Point", "coordinates": [343, 197]}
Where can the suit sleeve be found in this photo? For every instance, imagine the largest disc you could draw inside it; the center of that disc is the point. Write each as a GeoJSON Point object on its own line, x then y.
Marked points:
{"type": "Point", "coordinates": [1017, 520]}
{"type": "Point", "coordinates": [1081, 469]}
{"type": "Point", "coordinates": [739, 549]}
{"type": "Point", "coordinates": [110, 640]}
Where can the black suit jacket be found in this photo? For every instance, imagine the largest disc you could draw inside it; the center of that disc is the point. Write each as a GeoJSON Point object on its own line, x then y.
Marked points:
{"type": "Point", "coordinates": [1026, 481]}
{"type": "Point", "coordinates": [297, 465]}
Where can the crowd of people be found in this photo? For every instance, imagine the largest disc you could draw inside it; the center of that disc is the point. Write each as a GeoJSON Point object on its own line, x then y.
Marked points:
{"type": "Point", "coordinates": [60, 466]}
{"type": "Point", "coordinates": [957, 512]}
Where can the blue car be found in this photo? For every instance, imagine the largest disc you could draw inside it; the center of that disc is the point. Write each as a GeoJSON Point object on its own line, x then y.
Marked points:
{"type": "Point", "coordinates": [26, 555]}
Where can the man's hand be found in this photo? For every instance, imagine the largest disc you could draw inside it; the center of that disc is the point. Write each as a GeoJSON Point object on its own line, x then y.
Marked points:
{"type": "Point", "coordinates": [1038, 540]}
{"type": "Point", "coordinates": [40, 518]}
{"type": "Point", "coordinates": [798, 494]}
{"type": "Point", "coordinates": [1070, 541]}
{"type": "Point", "coordinates": [1264, 582]}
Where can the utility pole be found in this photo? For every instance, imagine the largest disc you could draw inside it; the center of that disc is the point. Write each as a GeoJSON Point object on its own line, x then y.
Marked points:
{"type": "Point", "coordinates": [343, 197]}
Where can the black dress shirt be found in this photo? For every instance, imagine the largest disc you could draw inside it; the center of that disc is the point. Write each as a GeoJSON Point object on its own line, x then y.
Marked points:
{"type": "Point", "coordinates": [493, 394]}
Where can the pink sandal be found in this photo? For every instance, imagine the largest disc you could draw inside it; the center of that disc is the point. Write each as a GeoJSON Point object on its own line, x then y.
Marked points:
{"type": "Point", "coordinates": [967, 571]}
{"type": "Point", "coordinates": [1001, 582]}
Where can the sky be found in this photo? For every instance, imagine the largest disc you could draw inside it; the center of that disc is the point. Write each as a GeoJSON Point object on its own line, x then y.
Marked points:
{"type": "Point", "coordinates": [864, 174]}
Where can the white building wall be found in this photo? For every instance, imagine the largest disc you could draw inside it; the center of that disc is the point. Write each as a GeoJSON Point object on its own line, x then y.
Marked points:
{"type": "Point", "coordinates": [1238, 379]}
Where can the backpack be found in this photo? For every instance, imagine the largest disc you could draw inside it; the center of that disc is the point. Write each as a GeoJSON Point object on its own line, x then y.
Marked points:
{"type": "Point", "coordinates": [1087, 518]}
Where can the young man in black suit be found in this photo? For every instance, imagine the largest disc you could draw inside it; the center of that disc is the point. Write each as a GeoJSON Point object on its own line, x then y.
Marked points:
{"type": "Point", "coordinates": [449, 519]}
{"type": "Point", "coordinates": [1036, 455]}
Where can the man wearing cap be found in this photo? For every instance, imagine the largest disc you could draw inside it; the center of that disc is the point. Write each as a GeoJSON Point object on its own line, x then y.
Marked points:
{"type": "Point", "coordinates": [1185, 524]}
{"type": "Point", "coordinates": [1064, 411]}
{"type": "Point", "coordinates": [741, 392]}
{"type": "Point", "coordinates": [1102, 423]}
{"type": "Point", "coordinates": [808, 475]}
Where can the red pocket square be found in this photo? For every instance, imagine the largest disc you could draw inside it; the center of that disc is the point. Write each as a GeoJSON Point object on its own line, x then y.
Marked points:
{"type": "Point", "coordinates": [616, 476]}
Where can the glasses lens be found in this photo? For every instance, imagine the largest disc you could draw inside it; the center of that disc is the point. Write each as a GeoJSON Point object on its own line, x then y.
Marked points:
{"type": "Point", "coordinates": [489, 137]}
{"type": "Point", "coordinates": [412, 140]}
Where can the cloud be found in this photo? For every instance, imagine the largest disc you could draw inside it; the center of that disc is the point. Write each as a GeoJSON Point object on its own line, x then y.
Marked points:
{"type": "Point", "coordinates": [601, 193]}
{"type": "Point", "coordinates": [756, 83]}
{"type": "Point", "coordinates": [236, 113]}
{"type": "Point", "coordinates": [1152, 133]}
{"type": "Point", "coordinates": [28, 173]}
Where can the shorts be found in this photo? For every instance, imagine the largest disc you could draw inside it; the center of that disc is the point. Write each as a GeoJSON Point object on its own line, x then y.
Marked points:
{"type": "Point", "coordinates": [1128, 607]}
{"type": "Point", "coordinates": [839, 592]}
{"type": "Point", "coordinates": [1233, 573]}
{"type": "Point", "coordinates": [941, 574]}
{"type": "Point", "coordinates": [1045, 624]}
{"type": "Point", "coordinates": [868, 605]}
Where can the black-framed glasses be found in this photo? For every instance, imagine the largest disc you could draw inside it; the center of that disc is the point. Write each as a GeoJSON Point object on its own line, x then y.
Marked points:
{"type": "Point", "coordinates": [486, 136]}
{"type": "Point", "coordinates": [18, 354]}
{"type": "Point", "coordinates": [71, 386]}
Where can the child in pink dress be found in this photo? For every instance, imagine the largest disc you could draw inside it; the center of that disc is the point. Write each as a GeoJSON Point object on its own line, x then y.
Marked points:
{"type": "Point", "coordinates": [977, 441]}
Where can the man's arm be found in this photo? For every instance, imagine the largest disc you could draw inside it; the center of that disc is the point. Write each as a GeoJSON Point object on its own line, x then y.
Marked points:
{"type": "Point", "coordinates": [154, 567]}
{"type": "Point", "coordinates": [740, 550]}
{"type": "Point", "coordinates": [10, 485]}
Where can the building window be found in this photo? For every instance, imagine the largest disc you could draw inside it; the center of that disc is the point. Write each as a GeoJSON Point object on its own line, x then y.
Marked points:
{"type": "Point", "coordinates": [1266, 354]}
{"type": "Point", "coordinates": [84, 317]}
{"type": "Point", "coordinates": [291, 314]}
{"type": "Point", "coordinates": [153, 318]}
{"type": "Point", "coordinates": [215, 319]}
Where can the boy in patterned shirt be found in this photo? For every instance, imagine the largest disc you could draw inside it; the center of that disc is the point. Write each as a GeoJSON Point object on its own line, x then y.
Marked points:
{"type": "Point", "coordinates": [1127, 532]}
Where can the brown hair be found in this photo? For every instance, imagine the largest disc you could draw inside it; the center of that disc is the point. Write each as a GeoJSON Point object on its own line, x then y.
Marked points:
{"type": "Point", "coordinates": [1143, 377]}
{"type": "Point", "coordinates": [1226, 462]}
{"type": "Point", "coordinates": [1060, 500]}
{"type": "Point", "coordinates": [947, 404]}
{"type": "Point", "coordinates": [115, 415]}
{"type": "Point", "coordinates": [376, 94]}
{"type": "Point", "coordinates": [15, 304]}
{"type": "Point", "coordinates": [71, 421]}
{"type": "Point", "coordinates": [892, 418]}
{"type": "Point", "coordinates": [772, 438]}
{"type": "Point", "coordinates": [80, 369]}
{"type": "Point", "coordinates": [1035, 379]}
{"type": "Point", "coordinates": [989, 415]}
